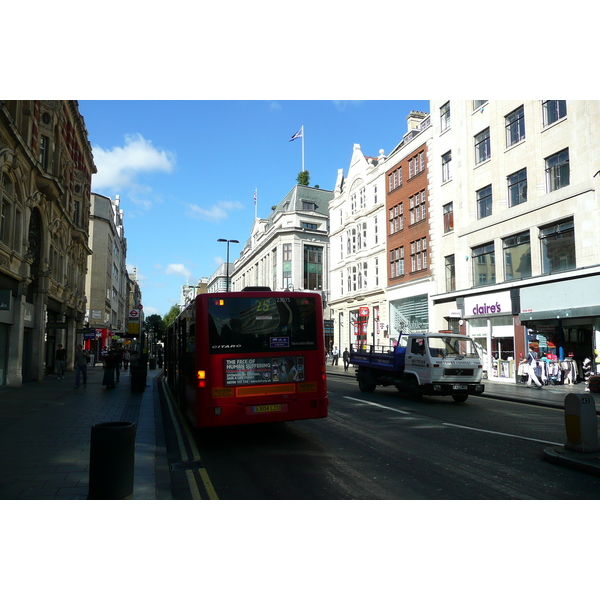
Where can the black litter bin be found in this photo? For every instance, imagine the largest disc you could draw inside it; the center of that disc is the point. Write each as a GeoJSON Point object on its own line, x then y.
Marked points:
{"type": "Point", "coordinates": [138, 379]}
{"type": "Point", "coordinates": [112, 453]}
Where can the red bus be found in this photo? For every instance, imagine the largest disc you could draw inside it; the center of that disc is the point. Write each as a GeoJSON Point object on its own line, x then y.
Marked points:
{"type": "Point", "coordinates": [248, 357]}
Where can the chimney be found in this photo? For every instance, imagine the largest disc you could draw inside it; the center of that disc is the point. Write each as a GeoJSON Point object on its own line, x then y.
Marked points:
{"type": "Point", "coordinates": [415, 119]}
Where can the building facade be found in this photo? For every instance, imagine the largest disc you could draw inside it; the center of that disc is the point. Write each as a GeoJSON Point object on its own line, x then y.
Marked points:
{"type": "Point", "coordinates": [106, 284]}
{"type": "Point", "coordinates": [409, 244]}
{"type": "Point", "coordinates": [289, 250]}
{"type": "Point", "coordinates": [516, 220]}
{"type": "Point", "coordinates": [46, 165]}
{"type": "Point", "coordinates": [358, 250]}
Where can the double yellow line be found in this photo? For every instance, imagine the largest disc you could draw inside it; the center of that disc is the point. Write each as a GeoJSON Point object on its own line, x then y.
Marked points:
{"type": "Point", "coordinates": [185, 455]}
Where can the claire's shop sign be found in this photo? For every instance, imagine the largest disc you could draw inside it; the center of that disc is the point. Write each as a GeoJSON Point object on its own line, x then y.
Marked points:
{"type": "Point", "coordinates": [489, 305]}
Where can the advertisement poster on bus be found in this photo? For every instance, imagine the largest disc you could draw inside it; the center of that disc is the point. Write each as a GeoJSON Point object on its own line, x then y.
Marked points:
{"type": "Point", "coordinates": [252, 371]}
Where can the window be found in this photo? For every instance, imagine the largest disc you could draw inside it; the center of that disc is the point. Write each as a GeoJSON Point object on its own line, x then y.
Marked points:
{"type": "Point", "coordinates": [418, 254]}
{"type": "Point", "coordinates": [362, 198]}
{"type": "Point", "coordinates": [553, 110]}
{"type": "Point", "coordinates": [557, 170]}
{"type": "Point", "coordinates": [484, 202]}
{"type": "Point", "coordinates": [376, 230]}
{"type": "Point", "coordinates": [313, 267]}
{"type": "Point", "coordinates": [446, 171]}
{"type": "Point", "coordinates": [517, 256]}
{"type": "Point", "coordinates": [482, 146]}
{"type": "Point", "coordinates": [308, 205]}
{"type": "Point", "coordinates": [274, 267]}
{"type": "Point", "coordinates": [450, 273]}
{"type": "Point", "coordinates": [376, 271]}
{"type": "Point", "coordinates": [484, 264]}
{"type": "Point", "coordinates": [397, 262]}
{"type": "Point", "coordinates": [44, 152]}
{"type": "Point", "coordinates": [287, 265]}
{"type": "Point", "coordinates": [396, 218]}
{"type": "Point", "coordinates": [445, 116]}
{"type": "Point", "coordinates": [417, 207]}
{"type": "Point", "coordinates": [448, 217]}
{"type": "Point", "coordinates": [374, 194]}
{"type": "Point", "coordinates": [309, 225]}
{"type": "Point", "coordinates": [395, 179]}
{"type": "Point", "coordinates": [515, 127]}
{"type": "Point", "coordinates": [5, 222]}
{"type": "Point", "coordinates": [478, 103]}
{"type": "Point", "coordinates": [517, 188]}
{"type": "Point", "coordinates": [558, 246]}
{"type": "Point", "coordinates": [341, 283]}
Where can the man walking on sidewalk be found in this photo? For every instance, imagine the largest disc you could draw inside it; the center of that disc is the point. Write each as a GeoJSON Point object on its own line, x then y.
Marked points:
{"type": "Point", "coordinates": [81, 361]}
{"type": "Point", "coordinates": [336, 356]}
{"type": "Point", "coordinates": [346, 359]}
{"type": "Point", "coordinates": [61, 361]}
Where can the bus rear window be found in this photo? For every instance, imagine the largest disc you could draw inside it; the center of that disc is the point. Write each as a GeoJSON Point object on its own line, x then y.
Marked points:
{"type": "Point", "coordinates": [273, 324]}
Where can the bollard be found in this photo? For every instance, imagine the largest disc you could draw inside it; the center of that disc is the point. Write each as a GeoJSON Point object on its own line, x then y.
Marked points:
{"type": "Point", "coordinates": [581, 423]}
{"type": "Point", "coordinates": [112, 454]}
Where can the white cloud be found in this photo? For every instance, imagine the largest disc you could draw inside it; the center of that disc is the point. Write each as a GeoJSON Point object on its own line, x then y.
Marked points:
{"type": "Point", "coordinates": [178, 269]}
{"type": "Point", "coordinates": [215, 213]}
{"type": "Point", "coordinates": [119, 167]}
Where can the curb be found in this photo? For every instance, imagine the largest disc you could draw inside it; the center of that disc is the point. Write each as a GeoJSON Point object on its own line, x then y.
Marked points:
{"type": "Point", "coordinates": [586, 462]}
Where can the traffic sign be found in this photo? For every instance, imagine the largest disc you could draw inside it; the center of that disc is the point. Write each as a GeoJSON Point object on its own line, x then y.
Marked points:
{"type": "Point", "coordinates": [134, 313]}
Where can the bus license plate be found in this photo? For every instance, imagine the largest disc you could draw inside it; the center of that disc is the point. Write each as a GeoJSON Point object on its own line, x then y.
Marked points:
{"type": "Point", "coordinates": [267, 408]}
{"type": "Point", "coordinates": [459, 387]}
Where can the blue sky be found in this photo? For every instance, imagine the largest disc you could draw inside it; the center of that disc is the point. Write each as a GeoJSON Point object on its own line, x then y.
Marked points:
{"type": "Point", "coordinates": [186, 171]}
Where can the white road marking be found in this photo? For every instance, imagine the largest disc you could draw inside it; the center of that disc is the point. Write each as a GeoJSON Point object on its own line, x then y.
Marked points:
{"type": "Point", "coordinates": [520, 437]}
{"type": "Point", "coordinates": [402, 412]}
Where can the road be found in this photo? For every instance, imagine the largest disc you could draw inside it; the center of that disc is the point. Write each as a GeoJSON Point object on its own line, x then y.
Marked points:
{"type": "Point", "coordinates": [383, 446]}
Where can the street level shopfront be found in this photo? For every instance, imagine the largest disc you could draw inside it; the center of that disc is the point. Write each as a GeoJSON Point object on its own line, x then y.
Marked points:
{"type": "Point", "coordinates": [563, 318]}
{"type": "Point", "coordinates": [490, 321]}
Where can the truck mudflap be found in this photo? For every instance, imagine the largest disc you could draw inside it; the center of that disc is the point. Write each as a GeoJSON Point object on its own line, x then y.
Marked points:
{"type": "Point", "coordinates": [453, 389]}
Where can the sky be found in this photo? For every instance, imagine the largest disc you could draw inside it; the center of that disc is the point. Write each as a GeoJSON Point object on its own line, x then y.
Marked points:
{"type": "Point", "coordinates": [186, 171]}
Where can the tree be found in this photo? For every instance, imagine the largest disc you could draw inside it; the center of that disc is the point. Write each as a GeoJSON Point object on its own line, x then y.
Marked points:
{"type": "Point", "coordinates": [303, 178]}
{"type": "Point", "coordinates": [155, 324]}
{"type": "Point", "coordinates": [171, 315]}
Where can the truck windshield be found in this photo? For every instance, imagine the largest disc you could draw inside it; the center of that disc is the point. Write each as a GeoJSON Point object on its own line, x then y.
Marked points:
{"type": "Point", "coordinates": [452, 346]}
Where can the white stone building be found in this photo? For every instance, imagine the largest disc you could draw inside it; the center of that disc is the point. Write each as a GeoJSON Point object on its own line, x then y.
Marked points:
{"type": "Point", "coordinates": [358, 252]}
{"type": "Point", "coordinates": [289, 250]}
{"type": "Point", "coordinates": [515, 215]}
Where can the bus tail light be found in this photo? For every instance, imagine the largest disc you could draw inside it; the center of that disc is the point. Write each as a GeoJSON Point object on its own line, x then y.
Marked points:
{"type": "Point", "coordinates": [201, 379]}
{"type": "Point", "coordinates": [323, 372]}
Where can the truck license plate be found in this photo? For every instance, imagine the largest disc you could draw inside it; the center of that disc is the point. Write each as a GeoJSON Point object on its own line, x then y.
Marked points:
{"type": "Point", "coordinates": [459, 387]}
{"type": "Point", "coordinates": [267, 408]}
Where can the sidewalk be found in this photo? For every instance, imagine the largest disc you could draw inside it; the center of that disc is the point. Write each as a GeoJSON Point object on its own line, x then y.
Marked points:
{"type": "Point", "coordinates": [45, 431]}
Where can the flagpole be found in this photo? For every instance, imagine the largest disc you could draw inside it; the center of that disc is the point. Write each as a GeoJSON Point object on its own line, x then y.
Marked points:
{"type": "Point", "coordinates": [303, 148]}
{"type": "Point", "coordinates": [256, 203]}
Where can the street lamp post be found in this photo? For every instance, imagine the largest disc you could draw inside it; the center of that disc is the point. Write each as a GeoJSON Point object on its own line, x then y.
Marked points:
{"type": "Point", "coordinates": [227, 267]}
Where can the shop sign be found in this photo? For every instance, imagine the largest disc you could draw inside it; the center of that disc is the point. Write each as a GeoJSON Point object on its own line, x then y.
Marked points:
{"type": "Point", "coordinates": [4, 299]}
{"type": "Point", "coordinates": [363, 311]}
{"type": "Point", "coordinates": [488, 305]}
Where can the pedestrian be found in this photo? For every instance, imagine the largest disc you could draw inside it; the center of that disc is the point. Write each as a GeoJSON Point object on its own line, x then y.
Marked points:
{"type": "Point", "coordinates": [126, 357]}
{"type": "Point", "coordinates": [346, 359]}
{"type": "Point", "coordinates": [336, 356]}
{"type": "Point", "coordinates": [110, 363]}
{"type": "Point", "coordinates": [61, 361]}
{"type": "Point", "coordinates": [530, 369]}
{"type": "Point", "coordinates": [82, 358]}
{"type": "Point", "coordinates": [119, 358]}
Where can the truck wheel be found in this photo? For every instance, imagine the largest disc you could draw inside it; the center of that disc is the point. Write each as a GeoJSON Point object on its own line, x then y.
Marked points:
{"type": "Point", "coordinates": [414, 391]}
{"type": "Point", "coordinates": [363, 386]}
{"type": "Point", "coordinates": [460, 397]}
